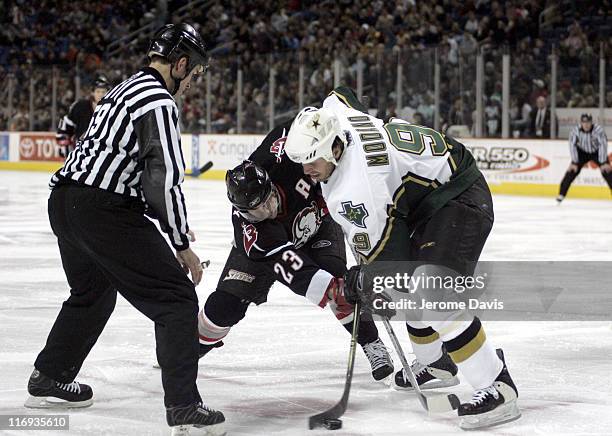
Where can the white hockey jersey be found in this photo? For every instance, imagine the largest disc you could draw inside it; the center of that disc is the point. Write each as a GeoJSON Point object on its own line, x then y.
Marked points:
{"type": "Point", "coordinates": [389, 172]}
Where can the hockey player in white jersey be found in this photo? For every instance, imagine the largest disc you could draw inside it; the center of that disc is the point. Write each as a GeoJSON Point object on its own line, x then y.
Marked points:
{"type": "Point", "coordinates": [403, 192]}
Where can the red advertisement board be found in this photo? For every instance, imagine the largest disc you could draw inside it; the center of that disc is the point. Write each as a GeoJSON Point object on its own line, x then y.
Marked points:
{"type": "Point", "coordinates": [39, 146]}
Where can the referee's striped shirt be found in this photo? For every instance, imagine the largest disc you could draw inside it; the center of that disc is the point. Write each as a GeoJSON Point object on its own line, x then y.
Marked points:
{"type": "Point", "coordinates": [594, 141]}
{"type": "Point", "coordinates": [134, 131]}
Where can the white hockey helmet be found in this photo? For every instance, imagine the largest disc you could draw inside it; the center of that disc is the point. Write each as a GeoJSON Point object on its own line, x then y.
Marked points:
{"type": "Point", "coordinates": [312, 135]}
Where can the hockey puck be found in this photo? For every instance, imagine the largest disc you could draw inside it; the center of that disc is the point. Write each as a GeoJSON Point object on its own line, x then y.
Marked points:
{"type": "Point", "coordinates": [332, 424]}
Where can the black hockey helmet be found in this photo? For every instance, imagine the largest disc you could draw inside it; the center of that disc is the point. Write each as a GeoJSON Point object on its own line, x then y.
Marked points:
{"type": "Point", "coordinates": [248, 185]}
{"type": "Point", "coordinates": [101, 81]}
{"type": "Point", "coordinates": [175, 41]}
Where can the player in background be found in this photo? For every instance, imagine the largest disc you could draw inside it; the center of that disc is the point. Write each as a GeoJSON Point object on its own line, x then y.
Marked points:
{"type": "Point", "coordinates": [588, 142]}
{"type": "Point", "coordinates": [282, 232]}
{"type": "Point", "coordinates": [403, 192]}
{"type": "Point", "coordinates": [73, 125]}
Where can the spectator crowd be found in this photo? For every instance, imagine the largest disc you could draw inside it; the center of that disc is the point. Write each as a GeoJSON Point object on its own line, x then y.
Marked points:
{"type": "Point", "coordinates": [260, 35]}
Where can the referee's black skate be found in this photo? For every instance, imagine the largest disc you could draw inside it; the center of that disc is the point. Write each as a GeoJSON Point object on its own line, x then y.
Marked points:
{"type": "Point", "coordinates": [195, 419]}
{"type": "Point", "coordinates": [440, 374]}
{"type": "Point", "coordinates": [47, 393]}
{"type": "Point", "coordinates": [380, 359]}
{"type": "Point", "coordinates": [492, 405]}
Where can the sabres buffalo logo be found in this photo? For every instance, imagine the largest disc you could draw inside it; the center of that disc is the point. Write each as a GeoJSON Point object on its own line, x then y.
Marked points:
{"type": "Point", "coordinates": [278, 147]}
{"type": "Point", "coordinates": [249, 237]}
{"type": "Point", "coordinates": [305, 224]}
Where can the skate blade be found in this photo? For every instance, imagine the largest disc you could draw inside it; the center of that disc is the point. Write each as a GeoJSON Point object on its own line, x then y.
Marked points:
{"type": "Point", "coordinates": [191, 430]}
{"type": "Point", "coordinates": [453, 381]}
{"type": "Point", "coordinates": [386, 381]}
{"type": "Point", "coordinates": [55, 403]}
{"type": "Point", "coordinates": [501, 415]}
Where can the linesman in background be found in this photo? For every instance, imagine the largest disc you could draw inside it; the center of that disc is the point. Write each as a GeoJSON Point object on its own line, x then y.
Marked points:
{"type": "Point", "coordinates": [129, 162]}
{"type": "Point", "coordinates": [588, 142]}
{"type": "Point", "coordinates": [73, 125]}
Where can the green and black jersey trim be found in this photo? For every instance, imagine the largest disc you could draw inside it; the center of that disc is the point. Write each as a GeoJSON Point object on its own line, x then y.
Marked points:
{"type": "Point", "coordinates": [392, 210]}
{"type": "Point", "coordinates": [464, 176]}
{"type": "Point", "coordinates": [347, 96]}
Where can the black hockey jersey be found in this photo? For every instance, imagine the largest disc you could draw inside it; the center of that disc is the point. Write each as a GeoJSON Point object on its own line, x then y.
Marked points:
{"type": "Point", "coordinates": [301, 203]}
{"type": "Point", "coordinates": [76, 122]}
{"type": "Point", "coordinates": [281, 240]}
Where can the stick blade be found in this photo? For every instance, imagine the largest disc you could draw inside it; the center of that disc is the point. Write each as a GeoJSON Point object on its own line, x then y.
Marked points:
{"type": "Point", "coordinates": [196, 173]}
{"type": "Point", "coordinates": [440, 403]}
{"type": "Point", "coordinates": [335, 412]}
{"type": "Point", "coordinates": [208, 165]}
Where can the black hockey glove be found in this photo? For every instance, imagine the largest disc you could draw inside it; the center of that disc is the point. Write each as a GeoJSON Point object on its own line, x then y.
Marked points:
{"type": "Point", "coordinates": [353, 284]}
{"type": "Point", "coordinates": [358, 288]}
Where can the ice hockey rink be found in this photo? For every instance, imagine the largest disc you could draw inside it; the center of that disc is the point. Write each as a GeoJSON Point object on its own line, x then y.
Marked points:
{"type": "Point", "coordinates": [287, 359]}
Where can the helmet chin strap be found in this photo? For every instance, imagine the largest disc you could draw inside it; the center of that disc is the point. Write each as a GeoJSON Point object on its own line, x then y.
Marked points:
{"type": "Point", "coordinates": [177, 81]}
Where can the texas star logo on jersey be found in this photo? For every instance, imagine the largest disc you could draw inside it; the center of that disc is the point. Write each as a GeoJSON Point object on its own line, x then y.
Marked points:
{"type": "Point", "coordinates": [305, 224]}
{"type": "Point", "coordinates": [354, 214]}
{"type": "Point", "coordinates": [249, 236]}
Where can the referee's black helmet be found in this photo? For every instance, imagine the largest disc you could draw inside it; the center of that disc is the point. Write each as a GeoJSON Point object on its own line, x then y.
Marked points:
{"type": "Point", "coordinates": [174, 41]}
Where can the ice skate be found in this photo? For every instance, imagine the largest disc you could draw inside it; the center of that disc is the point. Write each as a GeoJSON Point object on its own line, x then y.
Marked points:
{"type": "Point", "coordinates": [195, 419]}
{"type": "Point", "coordinates": [492, 405]}
{"type": "Point", "coordinates": [46, 393]}
{"type": "Point", "coordinates": [440, 374]}
{"type": "Point", "coordinates": [380, 360]}
{"type": "Point", "coordinates": [205, 348]}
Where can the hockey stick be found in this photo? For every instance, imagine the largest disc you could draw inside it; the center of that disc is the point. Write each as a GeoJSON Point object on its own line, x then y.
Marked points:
{"type": "Point", "coordinates": [435, 403]}
{"type": "Point", "coordinates": [329, 418]}
{"type": "Point", "coordinates": [208, 165]}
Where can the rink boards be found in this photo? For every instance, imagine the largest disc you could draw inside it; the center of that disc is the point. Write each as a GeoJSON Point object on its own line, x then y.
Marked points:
{"type": "Point", "coordinates": [518, 167]}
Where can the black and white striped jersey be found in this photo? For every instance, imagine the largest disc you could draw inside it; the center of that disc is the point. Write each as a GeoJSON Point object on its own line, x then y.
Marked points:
{"type": "Point", "coordinates": [593, 141]}
{"type": "Point", "coordinates": [132, 147]}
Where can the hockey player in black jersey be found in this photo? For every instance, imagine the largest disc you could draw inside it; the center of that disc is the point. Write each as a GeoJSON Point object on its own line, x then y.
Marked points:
{"type": "Point", "coordinates": [282, 232]}
{"type": "Point", "coordinates": [73, 125]}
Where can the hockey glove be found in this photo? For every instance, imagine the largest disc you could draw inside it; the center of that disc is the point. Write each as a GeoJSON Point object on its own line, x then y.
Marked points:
{"type": "Point", "coordinates": [65, 144]}
{"type": "Point", "coordinates": [335, 293]}
{"type": "Point", "coordinates": [357, 289]}
{"type": "Point", "coordinates": [353, 282]}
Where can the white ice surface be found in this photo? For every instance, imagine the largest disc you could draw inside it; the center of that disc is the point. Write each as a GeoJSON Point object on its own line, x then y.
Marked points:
{"type": "Point", "coordinates": [286, 360]}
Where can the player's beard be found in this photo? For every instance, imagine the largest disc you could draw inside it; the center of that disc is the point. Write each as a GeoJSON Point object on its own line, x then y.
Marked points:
{"type": "Point", "coordinates": [324, 177]}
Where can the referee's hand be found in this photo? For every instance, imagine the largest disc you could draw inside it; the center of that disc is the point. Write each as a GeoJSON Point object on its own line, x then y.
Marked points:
{"type": "Point", "coordinates": [191, 263]}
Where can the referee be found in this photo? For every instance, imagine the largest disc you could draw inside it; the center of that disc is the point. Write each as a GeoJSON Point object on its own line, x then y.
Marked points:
{"type": "Point", "coordinates": [128, 163]}
{"type": "Point", "coordinates": [588, 142]}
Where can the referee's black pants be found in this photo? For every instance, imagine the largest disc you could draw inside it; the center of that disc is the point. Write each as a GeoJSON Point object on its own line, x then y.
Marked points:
{"type": "Point", "coordinates": [570, 176]}
{"type": "Point", "coordinates": [108, 245]}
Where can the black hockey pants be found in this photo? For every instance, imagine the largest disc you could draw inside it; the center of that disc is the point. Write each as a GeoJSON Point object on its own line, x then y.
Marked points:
{"type": "Point", "coordinates": [108, 245]}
